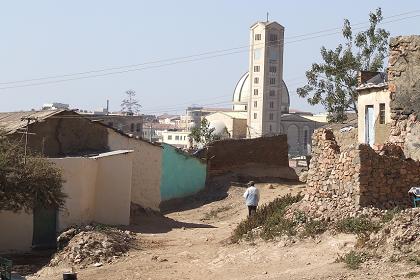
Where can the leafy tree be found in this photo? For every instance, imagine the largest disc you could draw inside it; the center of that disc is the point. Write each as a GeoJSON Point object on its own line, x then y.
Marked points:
{"type": "Point", "coordinates": [203, 134]}
{"type": "Point", "coordinates": [333, 82]}
{"type": "Point", "coordinates": [25, 186]}
{"type": "Point", "coordinates": [130, 105]}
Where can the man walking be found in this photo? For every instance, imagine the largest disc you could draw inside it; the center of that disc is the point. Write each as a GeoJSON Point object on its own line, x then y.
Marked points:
{"type": "Point", "coordinates": [252, 197]}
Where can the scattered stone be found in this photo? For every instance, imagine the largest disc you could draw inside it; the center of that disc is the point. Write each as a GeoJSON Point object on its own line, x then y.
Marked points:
{"type": "Point", "coordinates": [91, 245]}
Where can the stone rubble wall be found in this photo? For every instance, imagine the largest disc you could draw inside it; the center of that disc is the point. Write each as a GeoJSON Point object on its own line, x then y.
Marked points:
{"type": "Point", "coordinates": [404, 84]}
{"type": "Point", "coordinates": [358, 175]}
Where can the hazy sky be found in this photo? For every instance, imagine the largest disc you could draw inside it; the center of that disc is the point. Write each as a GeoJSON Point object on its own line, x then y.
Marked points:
{"type": "Point", "coordinates": [48, 38]}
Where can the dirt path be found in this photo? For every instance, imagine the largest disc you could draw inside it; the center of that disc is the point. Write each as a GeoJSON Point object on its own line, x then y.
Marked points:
{"type": "Point", "coordinates": [192, 244]}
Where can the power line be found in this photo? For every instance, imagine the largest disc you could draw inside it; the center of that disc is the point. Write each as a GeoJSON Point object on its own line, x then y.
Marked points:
{"type": "Point", "coordinates": [179, 60]}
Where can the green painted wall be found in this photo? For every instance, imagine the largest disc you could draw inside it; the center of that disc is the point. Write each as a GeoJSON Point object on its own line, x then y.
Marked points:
{"type": "Point", "coordinates": [182, 175]}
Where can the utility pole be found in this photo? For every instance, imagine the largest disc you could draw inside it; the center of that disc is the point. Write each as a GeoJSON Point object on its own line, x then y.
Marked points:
{"type": "Point", "coordinates": [150, 123]}
{"type": "Point", "coordinates": [28, 120]}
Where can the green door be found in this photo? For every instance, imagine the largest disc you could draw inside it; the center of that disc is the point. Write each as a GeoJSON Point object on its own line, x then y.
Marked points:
{"type": "Point", "coordinates": [45, 227]}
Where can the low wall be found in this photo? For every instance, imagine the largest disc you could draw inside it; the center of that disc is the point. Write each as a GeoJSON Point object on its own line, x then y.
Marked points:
{"type": "Point", "coordinates": [358, 174]}
{"type": "Point", "coordinates": [257, 158]}
{"type": "Point", "coordinates": [16, 231]}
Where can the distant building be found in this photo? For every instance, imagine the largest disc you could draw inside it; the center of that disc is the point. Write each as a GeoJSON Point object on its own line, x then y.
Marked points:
{"type": "Point", "coordinates": [373, 104]}
{"type": "Point", "coordinates": [196, 113]}
{"type": "Point", "coordinates": [179, 139]}
{"type": "Point", "coordinates": [132, 125]}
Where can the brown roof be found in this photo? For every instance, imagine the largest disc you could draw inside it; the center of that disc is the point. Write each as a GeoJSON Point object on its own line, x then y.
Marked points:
{"type": "Point", "coordinates": [13, 121]}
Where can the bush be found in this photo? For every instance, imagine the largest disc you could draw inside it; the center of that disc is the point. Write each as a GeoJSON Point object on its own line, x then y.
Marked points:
{"type": "Point", "coordinates": [312, 228]}
{"type": "Point", "coordinates": [357, 225]}
{"type": "Point", "coordinates": [353, 259]}
{"type": "Point", "coordinates": [270, 217]}
{"type": "Point", "coordinates": [23, 186]}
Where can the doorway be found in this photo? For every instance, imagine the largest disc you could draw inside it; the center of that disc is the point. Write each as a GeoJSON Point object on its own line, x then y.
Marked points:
{"type": "Point", "coordinates": [45, 228]}
{"type": "Point", "coordinates": [370, 125]}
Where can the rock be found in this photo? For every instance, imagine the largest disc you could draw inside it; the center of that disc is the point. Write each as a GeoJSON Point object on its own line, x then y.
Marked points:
{"type": "Point", "coordinates": [99, 264]}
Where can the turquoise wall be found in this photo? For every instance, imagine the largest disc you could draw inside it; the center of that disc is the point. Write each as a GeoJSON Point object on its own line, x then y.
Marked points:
{"type": "Point", "coordinates": [182, 175]}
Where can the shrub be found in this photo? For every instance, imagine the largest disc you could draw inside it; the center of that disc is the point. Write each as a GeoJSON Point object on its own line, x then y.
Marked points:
{"type": "Point", "coordinates": [357, 225]}
{"type": "Point", "coordinates": [25, 185]}
{"type": "Point", "coordinates": [312, 228]}
{"type": "Point", "coordinates": [353, 259]}
{"type": "Point", "coordinates": [270, 217]}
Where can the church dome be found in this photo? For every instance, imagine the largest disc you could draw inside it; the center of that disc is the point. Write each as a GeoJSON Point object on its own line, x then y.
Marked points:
{"type": "Point", "coordinates": [241, 95]}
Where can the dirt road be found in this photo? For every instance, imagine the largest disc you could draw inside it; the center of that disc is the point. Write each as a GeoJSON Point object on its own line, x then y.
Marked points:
{"type": "Point", "coordinates": [192, 244]}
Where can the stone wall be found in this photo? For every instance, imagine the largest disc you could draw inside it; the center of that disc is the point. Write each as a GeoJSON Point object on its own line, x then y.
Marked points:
{"type": "Point", "coordinates": [358, 175]}
{"type": "Point", "coordinates": [404, 84]}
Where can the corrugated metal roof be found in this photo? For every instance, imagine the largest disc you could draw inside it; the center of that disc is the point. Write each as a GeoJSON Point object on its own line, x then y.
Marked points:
{"type": "Point", "coordinates": [10, 122]}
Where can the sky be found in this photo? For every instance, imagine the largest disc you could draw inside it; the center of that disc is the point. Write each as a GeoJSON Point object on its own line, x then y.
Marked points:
{"type": "Point", "coordinates": [54, 38]}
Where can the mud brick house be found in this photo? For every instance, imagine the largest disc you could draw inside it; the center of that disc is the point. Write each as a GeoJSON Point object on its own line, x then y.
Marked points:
{"type": "Point", "coordinates": [105, 172]}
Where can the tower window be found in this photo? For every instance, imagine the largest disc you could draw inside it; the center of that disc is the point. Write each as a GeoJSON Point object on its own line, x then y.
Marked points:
{"type": "Point", "coordinates": [257, 68]}
{"type": "Point", "coordinates": [255, 104]}
{"type": "Point", "coordinates": [272, 81]}
{"type": "Point", "coordinates": [273, 37]}
{"type": "Point", "coordinates": [382, 113]}
{"type": "Point", "coordinates": [271, 116]}
{"type": "Point", "coordinates": [271, 104]}
{"type": "Point", "coordinates": [255, 91]}
{"type": "Point", "coordinates": [256, 80]}
{"type": "Point", "coordinates": [257, 37]}
{"type": "Point", "coordinates": [272, 92]}
{"type": "Point", "coordinates": [273, 69]}
{"type": "Point", "coordinates": [255, 116]}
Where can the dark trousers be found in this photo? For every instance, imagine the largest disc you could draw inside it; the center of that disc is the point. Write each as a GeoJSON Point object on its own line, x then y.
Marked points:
{"type": "Point", "coordinates": [251, 210]}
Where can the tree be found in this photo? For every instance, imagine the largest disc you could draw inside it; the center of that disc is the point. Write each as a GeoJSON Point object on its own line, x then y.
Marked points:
{"type": "Point", "coordinates": [130, 105]}
{"type": "Point", "coordinates": [26, 186]}
{"type": "Point", "coordinates": [333, 82]}
{"type": "Point", "coordinates": [203, 134]}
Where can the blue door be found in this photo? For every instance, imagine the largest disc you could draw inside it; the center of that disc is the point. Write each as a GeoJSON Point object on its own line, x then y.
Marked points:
{"type": "Point", "coordinates": [370, 125]}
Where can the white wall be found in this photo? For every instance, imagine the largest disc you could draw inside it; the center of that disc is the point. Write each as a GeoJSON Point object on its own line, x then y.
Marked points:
{"type": "Point", "coordinates": [146, 170]}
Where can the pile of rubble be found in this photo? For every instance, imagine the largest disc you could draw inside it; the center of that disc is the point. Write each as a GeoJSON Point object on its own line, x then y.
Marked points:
{"type": "Point", "coordinates": [400, 238]}
{"type": "Point", "coordinates": [91, 245]}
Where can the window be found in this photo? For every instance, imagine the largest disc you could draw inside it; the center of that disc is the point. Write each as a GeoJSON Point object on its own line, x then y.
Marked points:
{"type": "Point", "coordinates": [271, 116]}
{"type": "Point", "coordinates": [305, 139]}
{"type": "Point", "coordinates": [185, 137]}
{"type": "Point", "coordinates": [273, 69]}
{"type": "Point", "coordinates": [255, 116]}
{"type": "Point", "coordinates": [271, 104]}
{"type": "Point", "coordinates": [177, 138]}
{"type": "Point", "coordinates": [272, 92]}
{"type": "Point", "coordinates": [138, 127]}
{"type": "Point", "coordinates": [246, 107]}
{"type": "Point", "coordinates": [132, 127]}
{"type": "Point", "coordinates": [257, 53]}
{"type": "Point", "coordinates": [273, 54]}
{"type": "Point", "coordinates": [256, 80]}
{"type": "Point", "coordinates": [382, 113]}
{"type": "Point", "coordinates": [255, 104]}
{"type": "Point", "coordinates": [257, 68]}
{"type": "Point", "coordinates": [257, 37]}
{"type": "Point", "coordinates": [169, 137]}
{"type": "Point", "coordinates": [255, 91]}
{"type": "Point", "coordinates": [272, 81]}
{"type": "Point", "coordinates": [273, 37]}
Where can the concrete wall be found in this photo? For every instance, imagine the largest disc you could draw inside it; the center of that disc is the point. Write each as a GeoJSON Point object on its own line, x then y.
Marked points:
{"type": "Point", "coordinates": [80, 180]}
{"type": "Point", "coordinates": [182, 175]}
{"type": "Point", "coordinates": [146, 170]}
{"type": "Point", "coordinates": [113, 189]}
{"type": "Point", "coordinates": [16, 231]}
{"type": "Point", "coordinates": [98, 189]}
{"type": "Point", "coordinates": [374, 97]}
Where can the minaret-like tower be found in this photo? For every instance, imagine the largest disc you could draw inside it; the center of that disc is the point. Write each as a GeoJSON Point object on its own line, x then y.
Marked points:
{"type": "Point", "coordinates": [266, 78]}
